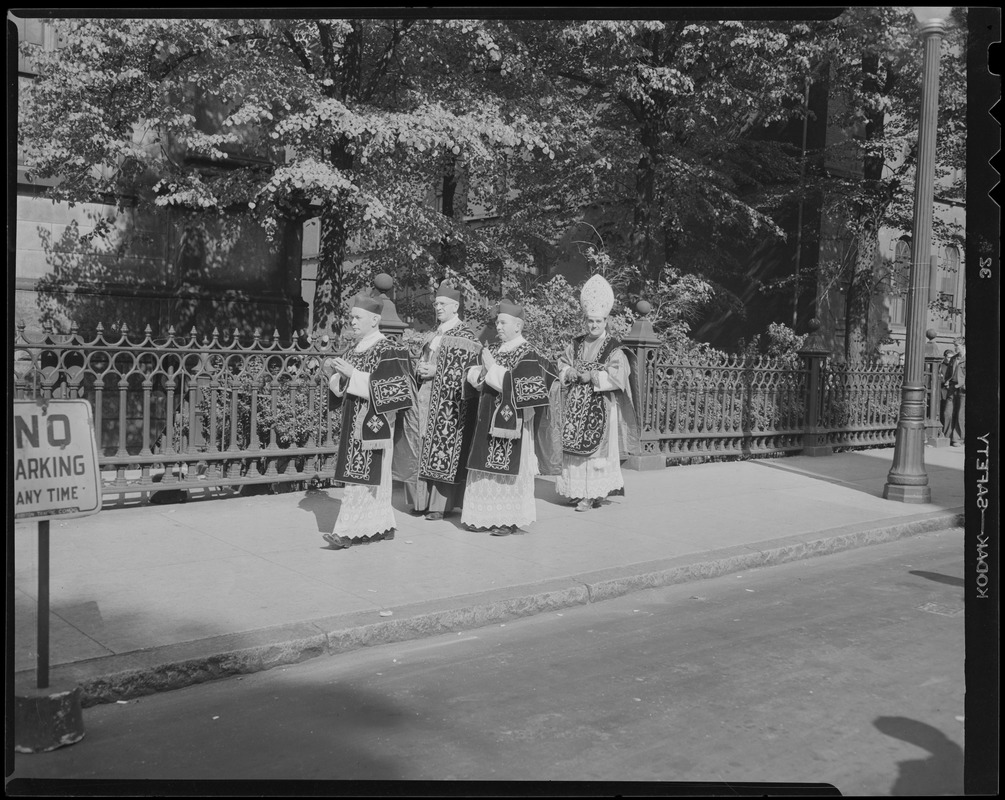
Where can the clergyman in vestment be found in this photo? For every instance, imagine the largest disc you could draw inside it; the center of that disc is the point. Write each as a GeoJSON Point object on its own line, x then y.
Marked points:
{"type": "Point", "coordinates": [374, 381]}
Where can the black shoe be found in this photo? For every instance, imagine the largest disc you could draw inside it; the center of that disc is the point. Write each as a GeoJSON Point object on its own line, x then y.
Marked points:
{"type": "Point", "coordinates": [499, 530]}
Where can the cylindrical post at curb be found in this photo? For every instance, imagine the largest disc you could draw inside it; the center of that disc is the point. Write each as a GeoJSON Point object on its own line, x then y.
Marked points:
{"type": "Point", "coordinates": [44, 719]}
{"type": "Point", "coordinates": [42, 621]}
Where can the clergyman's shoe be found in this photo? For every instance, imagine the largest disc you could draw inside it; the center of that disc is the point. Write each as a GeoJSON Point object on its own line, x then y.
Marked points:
{"type": "Point", "coordinates": [499, 530]}
{"type": "Point", "coordinates": [584, 505]}
{"type": "Point", "coordinates": [434, 515]}
{"type": "Point", "coordinates": [337, 542]}
{"type": "Point", "coordinates": [387, 535]}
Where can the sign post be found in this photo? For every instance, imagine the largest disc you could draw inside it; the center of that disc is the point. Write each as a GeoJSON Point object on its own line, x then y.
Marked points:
{"type": "Point", "coordinates": [55, 475]}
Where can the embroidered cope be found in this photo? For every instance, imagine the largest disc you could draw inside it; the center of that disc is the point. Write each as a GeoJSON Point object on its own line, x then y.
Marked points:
{"type": "Point", "coordinates": [591, 416]}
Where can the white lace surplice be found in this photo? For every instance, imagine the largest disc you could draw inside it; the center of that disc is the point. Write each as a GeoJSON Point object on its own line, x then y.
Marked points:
{"type": "Point", "coordinates": [365, 510]}
{"type": "Point", "coordinates": [491, 499]}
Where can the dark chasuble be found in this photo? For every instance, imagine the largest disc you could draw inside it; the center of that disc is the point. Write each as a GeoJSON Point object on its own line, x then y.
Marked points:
{"type": "Point", "coordinates": [497, 444]}
{"type": "Point", "coordinates": [366, 431]}
{"type": "Point", "coordinates": [452, 408]}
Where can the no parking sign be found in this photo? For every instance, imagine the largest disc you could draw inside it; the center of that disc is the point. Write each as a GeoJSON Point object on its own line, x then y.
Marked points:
{"type": "Point", "coordinates": [55, 475]}
{"type": "Point", "coordinates": [55, 460]}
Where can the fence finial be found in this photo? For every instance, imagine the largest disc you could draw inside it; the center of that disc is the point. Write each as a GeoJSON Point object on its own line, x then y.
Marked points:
{"type": "Point", "coordinates": [390, 322]}
{"type": "Point", "coordinates": [814, 344]}
{"type": "Point", "coordinates": [642, 333]}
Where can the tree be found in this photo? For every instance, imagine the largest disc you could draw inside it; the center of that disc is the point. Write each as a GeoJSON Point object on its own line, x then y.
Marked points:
{"type": "Point", "coordinates": [872, 63]}
{"type": "Point", "coordinates": [275, 121]}
{"type": "Point", "coordinates": [664, 135]}
{"type": "Point", "coordinates": [655, 123]}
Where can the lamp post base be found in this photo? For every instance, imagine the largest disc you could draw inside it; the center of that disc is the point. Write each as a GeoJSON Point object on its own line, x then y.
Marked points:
{"type": "Point", "coordinates": [907, 494]}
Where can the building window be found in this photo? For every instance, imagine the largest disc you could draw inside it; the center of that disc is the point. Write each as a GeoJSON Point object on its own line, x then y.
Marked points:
{"type": "Point", "coordinates": [40, 34]}
{"type": "Point", "coordinates": [900, 276]}
{"type": "Point", "coordinates": [947, 294]}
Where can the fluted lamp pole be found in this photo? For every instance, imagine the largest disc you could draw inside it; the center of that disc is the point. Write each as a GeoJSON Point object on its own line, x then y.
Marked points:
{"type": "Point", "coordinates": [907, 480]}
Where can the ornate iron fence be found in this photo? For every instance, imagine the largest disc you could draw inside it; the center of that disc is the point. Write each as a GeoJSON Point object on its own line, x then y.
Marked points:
{"type": "Point", "coordinates": [720, 407]}
{"type": "Point", "coordinates": [861, 404]}
{"type": "Point", "coordinates": [179, 413]}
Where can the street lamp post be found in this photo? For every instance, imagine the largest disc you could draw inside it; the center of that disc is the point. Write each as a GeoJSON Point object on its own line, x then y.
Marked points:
{"type": "Point", "coordinates": [907, 480]}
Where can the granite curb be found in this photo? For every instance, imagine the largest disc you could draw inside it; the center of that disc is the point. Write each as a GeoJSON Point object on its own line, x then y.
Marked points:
{"type": "Point", "coordinates": [135, 674]}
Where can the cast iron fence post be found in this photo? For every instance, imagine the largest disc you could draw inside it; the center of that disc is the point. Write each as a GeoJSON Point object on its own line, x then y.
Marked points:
{"type": "Point", "coordinates": [391, 324]}
{"type": "Point", "coordinates": [641, 341]}
{"type": "Point", "coordinates": [815, 354]}
{"type": "Point", "coordinates": [933, 423]}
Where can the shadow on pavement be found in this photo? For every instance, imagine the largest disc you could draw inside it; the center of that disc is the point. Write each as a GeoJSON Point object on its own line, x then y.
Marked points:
{"type": "Point", "coordinates": [544, 490]}
{"type": "Point", "coordinates": [939, 774]}
{"type": "Point", "coordinates": [324, 507]}
{"type": "Point", "coordinates": [275, 729]}
{"type": "Point", "coordinates": [863, 473]}
{"type": "Point", "coordinates": [938, 577]}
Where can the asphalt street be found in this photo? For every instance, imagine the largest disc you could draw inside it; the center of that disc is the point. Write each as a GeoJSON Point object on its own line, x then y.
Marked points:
{"type": "Point", "coordinates": [845, 670]}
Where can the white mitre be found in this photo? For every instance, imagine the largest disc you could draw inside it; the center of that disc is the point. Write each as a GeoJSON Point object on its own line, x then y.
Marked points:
{"type": "Point", "coordinates": [597, 297]}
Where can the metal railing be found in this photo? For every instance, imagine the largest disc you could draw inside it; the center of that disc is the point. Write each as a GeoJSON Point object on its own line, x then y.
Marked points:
{"type": "Point", "coordinates": [719, 407]}
{"type": "Point", "coordinates": [180, 413]}
{"type": "Point", "coordinates": [861, 404]}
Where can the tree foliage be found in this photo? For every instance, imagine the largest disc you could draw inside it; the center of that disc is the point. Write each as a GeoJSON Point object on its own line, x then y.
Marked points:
{"type": "Point", "coordinates": [277, 120]}
{"type": "Point", "coordinates": [662, 133]}
{"type": "Point", "coordinates": [871, 62]}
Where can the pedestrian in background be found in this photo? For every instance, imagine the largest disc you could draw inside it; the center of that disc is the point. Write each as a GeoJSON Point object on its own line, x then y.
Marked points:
{"type": "Point", "coordinates": [958, 394]}
{"type": "Point", "coordinates": [374, 381]}
{"type": "Point", "coordinates": [447, 409]}
{"type": "Point", "coordinates": [945, 371]}
{"type": "Point", "coordinates": [513, 381]}
{"type": "Point", "coordinates": [595, 402]}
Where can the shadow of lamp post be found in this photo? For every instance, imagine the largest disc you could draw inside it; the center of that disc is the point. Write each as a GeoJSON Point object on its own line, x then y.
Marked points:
{"type": "Point", "coordinates": [907, 481]}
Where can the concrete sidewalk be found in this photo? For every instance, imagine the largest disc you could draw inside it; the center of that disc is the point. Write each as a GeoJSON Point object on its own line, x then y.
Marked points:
{"type": "Point", "coordinates": [159, 597]}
